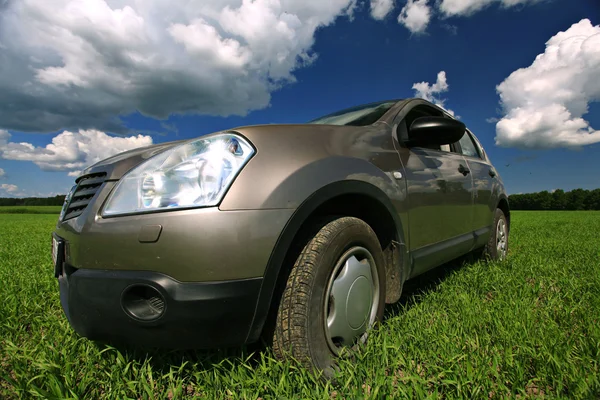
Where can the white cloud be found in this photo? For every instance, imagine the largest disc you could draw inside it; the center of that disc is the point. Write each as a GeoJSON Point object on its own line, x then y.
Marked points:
{"type": "Point", "coordinates": [70, 151]}
{"type": "Point", "coordinates": [381, 8]}
{"type": "Point", "coordinates": [2, 173]}
{"type": "Point", "coordinates": [71, 64]}
{"type": "Point", "coordinates": [430, 92]}
{"type": "Point", "coordinates": [468, 7]}
{"type": "Point", "coordinates": [544, 103]}
{"type": "Point", "coordinates": [453, 29]}
{"type": "Point", "coordinates": [10, 188]}
{"type": "Point", "coordinates": [415, 15]}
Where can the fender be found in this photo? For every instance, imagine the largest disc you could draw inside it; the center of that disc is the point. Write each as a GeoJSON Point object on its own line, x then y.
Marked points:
{"type": "Point", "coordinates": [503, 198]}
{"type": "Point", "coordinates": [498, 198]}
{"type": "Point", "coordinates": [292, 228]}
{"type": "Point", "coordinates": [320, 155]}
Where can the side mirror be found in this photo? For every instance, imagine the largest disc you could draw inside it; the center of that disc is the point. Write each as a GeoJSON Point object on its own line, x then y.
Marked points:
{"type": "Point", "coordinates": [434, 131]}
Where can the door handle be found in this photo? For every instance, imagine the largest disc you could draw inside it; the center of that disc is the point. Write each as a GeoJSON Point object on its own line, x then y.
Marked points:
{"type": "Point", "coordinates": [463, 170]}
{"type": "Point", "coordinates": [492, 173]}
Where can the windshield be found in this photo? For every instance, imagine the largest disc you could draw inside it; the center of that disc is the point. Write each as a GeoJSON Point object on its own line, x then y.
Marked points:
{"type": "Point", "coordinates": [365, 114]}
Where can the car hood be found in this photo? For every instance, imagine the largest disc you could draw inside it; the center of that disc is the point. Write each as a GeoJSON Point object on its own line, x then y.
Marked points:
{"type": "Point", "coordinates": [118, 165]}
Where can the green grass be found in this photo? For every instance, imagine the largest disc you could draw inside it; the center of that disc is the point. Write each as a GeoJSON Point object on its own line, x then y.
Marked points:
{"type": "Point", "coordinates": [30, 209]}
{"type": "Point", "coordinates": [525, 328]}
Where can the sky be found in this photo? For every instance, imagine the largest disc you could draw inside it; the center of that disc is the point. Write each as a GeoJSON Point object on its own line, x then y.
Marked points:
{"type": "Point", "coordinates": [81, 80]}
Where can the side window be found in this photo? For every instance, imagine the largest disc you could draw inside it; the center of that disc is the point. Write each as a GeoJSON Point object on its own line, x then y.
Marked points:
{"type": "Point", "coordinates": [467, 146]}
{"type": "Point", "coordinates": [478, 145]}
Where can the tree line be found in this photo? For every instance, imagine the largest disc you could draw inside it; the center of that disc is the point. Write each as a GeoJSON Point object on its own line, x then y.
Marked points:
{"type": "Point", "coordinates": [33, 201]}
{"type": "Point", "coordinates": [577, 199]}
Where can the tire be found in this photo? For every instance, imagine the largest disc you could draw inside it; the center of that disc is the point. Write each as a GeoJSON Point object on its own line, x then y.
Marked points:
{"type": "Point", "coordinates": [301, 326]}
{"type": "Point", "coordinates": [492, 249]}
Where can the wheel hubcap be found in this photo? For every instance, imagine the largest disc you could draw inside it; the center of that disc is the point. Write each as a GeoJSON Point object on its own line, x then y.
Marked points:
{"type": "Point", "coordinates": [501, 239]}
{"type": "Point", "coordinates": [351, 299]}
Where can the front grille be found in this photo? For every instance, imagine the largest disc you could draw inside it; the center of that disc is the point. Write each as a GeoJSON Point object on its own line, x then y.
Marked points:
{"type": "Point", "coordinates": [87, 186]}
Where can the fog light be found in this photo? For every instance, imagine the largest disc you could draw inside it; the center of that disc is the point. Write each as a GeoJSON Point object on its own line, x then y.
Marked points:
{"type": "Point", "coordinates": [143, 302]}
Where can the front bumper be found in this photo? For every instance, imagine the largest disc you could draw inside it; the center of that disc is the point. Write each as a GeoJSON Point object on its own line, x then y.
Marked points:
{"type": "Point", "coordinates": [208, 266]}
{"type": "Point", "coordinates": [193, 315]}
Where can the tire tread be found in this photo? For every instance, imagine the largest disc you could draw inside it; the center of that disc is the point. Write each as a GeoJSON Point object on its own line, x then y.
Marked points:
{"type": "Point", "coordinates": [290, 335]}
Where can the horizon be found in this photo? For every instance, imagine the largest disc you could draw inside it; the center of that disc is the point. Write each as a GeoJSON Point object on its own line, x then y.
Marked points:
{"type": "Point", "coordinates": [77, 89]}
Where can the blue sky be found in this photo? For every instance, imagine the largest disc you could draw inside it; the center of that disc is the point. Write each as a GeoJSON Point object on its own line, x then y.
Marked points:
{"type": "Point", "coordinates": [362, 59]}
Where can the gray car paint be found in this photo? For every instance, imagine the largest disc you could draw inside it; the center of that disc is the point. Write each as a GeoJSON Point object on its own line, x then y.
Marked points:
{"type": "Point", "coordinates": [291, 163]}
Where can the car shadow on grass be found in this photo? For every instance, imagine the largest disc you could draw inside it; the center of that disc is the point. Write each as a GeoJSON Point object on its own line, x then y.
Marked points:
{"type": "Point", "coordinates": [416, 289]}
{"type": "Point", "coordinates": [189, 361]}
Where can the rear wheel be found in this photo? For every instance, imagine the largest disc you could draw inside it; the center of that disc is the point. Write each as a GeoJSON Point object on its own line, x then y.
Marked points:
{"type": "Point", "coordinates": [497, 246]}
{"type": "Point", "coordinates": [334, 295]}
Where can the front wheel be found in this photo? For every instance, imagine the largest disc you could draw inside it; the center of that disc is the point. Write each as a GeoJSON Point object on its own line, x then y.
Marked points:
{"type": "Point", "coordinates": [334, 295]}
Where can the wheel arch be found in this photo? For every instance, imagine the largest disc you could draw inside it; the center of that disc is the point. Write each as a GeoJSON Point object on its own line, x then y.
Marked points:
{"type": "Point", "coordinates": [505, 207]}
{"type": "Point", "coordinates": [348, 198]}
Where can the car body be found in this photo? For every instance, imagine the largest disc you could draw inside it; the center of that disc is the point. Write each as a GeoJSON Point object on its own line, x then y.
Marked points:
{"type": "Point", "coordinates": [209, 276]}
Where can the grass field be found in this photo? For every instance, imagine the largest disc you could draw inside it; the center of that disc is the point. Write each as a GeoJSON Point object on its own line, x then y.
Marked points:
{"type": "Point", "coordinates": [30, 209]}
{"type": "Point", "coordinates": [528, 327]}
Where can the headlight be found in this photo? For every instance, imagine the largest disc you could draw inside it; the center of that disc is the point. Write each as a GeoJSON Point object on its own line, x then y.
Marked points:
{"type": "Point", "coordinates": [193, 174]}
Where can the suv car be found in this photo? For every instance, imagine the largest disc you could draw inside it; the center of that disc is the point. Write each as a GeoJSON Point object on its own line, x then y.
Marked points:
{"type": "Point", "coordinates": [297, 233]}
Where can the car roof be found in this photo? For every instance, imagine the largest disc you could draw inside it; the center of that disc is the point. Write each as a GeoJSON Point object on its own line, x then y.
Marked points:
{"type": "Point", "coordinates": [389, 115]}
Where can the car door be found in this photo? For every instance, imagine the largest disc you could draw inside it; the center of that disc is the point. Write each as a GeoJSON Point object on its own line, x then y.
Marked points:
{"type": "Point", "coordinates": [483, 176]}
{"type": "Point", "coordinates": [439, 195]}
